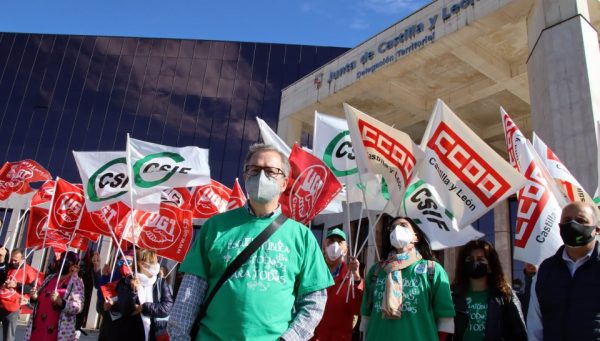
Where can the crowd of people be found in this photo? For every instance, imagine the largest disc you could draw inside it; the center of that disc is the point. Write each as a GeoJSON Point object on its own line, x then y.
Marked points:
{"type": "Point", "coordinates": [254, 274]}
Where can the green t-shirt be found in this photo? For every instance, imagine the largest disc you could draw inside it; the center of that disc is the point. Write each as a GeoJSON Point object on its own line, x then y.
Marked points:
{"type": "Point", "coordinates": [477, 303]}
{"type": "Point", "coordinates": [256, 302]}
{"type": "Point", "coordinates": [418, 320]}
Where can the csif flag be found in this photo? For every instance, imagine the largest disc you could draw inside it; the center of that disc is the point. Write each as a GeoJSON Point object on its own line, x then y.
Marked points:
{"type": "Point", "coordinates": [16, 176]}
{"type": "Point", "coordinates": [237, 198]}
{"type": "Point", "coordinates": [156, 167]}
{"type": "Point", "coordinates": [104, 176]}
{"type": "Point", "coordinates": [311, 186]}
{"type": "Point", "coordinates": [381, 149]}
{"type": "Point", "coordinates": [209, 200]}
{"type": "Point", "coordinates": [537, 234]}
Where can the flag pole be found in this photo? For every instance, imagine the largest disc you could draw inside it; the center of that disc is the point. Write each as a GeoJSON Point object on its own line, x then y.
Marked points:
{"type": "Point", "coordinates": [68, 245]}
{"type": "Point", "coordinates": [131, 220]}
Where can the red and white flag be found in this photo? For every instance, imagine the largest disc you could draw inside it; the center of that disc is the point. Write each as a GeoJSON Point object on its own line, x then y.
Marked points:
{"type": "Point", "coordinates": [311, 186]}
{"type": "Point", "coordinates": [38, 234]}
{"type": "Point", "coordinates": [105, 219]}
{"type": "Point", "coordinates": [16, 176]}
{"type": "Point", "coordinates": [44, 194]}
{"type": "Point", "coordinates": [537, 234]}
{"type": "Point", "coordinates": [209, 200]}
{"type": "Point", "coordinates": [559, 172]}
{"type": "Point", "coordinates": [381, 149]}
{"type": "Point", "coordinates": [237, 198]}
{"type": "Point", "coordinates": [67, 206]}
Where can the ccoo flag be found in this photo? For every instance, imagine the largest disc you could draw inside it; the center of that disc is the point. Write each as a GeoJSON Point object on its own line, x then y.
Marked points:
{"type": "Point", "coordinates": [155, 167]}
{"type": "Point", "coordinates": [537, 234]}
{"type": "Point", "coordinates": [104, 177]}
{"type": "Point", "coordinates": [381, 149]}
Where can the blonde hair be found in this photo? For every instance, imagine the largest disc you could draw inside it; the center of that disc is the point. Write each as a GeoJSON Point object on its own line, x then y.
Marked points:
{"type": "Point", "coordinates": [146, 256]}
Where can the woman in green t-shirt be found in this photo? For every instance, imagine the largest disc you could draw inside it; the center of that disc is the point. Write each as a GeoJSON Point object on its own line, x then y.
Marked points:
{"type": "Point", "coordinates": [407, 295]}
{"type": "Point", "coordinates": [486, 307]}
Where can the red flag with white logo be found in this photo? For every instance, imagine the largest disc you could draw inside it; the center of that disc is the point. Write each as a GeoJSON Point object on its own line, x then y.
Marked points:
{"type": "Point", "coordinates": [44, 194]}
{"type": "Point", "coordinates": [311, 186]}
{"type": "Point", "coordinates": [537, 234]}
{"type": "Point", "coordinates": [209, 200]}
{"type": "Point", "coordinates": [104, 219]}
{"type": "Point", "coordinates": [67, 206]}
{"type": "Point", "coordinates": [37, 231]}
{"type": "Point", "coordinates": [16, 176]}
{"type": "Point", "coordinates": [237, 198]}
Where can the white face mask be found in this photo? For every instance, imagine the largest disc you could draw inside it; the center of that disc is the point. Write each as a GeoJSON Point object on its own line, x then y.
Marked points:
{"type": "Point", "coordinates": [261, 188]}
{"type": "Point", "coordinates": [334, 251]}
{"type": "Point", "coordinates": [400, 237]}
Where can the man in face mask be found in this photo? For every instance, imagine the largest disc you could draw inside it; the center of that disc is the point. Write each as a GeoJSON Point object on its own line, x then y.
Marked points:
{"type": "Point", "coordinates": [19, 278]}
{"type": "Point", "coordinates": [279, 292]}
{"type": "Point", "coordinates": [565, 297]}
{"type": "Point", "coordinates": [343, 302]}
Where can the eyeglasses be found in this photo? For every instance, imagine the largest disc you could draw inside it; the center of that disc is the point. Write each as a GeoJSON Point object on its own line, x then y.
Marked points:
{"type": "Point", "coordinates": [271, 172]}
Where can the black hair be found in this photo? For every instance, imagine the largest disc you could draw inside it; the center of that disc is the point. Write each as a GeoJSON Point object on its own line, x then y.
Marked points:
{"type": "Point", "coordinates": [423, 245]}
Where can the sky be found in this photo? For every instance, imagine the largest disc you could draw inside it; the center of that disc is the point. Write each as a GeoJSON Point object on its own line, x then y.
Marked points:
{"type": "Point", "coordinates": [341, 23]}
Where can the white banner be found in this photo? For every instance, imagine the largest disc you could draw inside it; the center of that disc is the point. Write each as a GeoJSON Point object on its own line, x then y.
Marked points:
{"type": "Point", "coordinates": [156, 167]}
{"type": "Point", "coordinates": [468, 176]}
{"type": "Point", "coordinates": [270, 137]}
{"type": "Point", "coordinates": [104, 177]}
{"type": "Point", "coordinates": [537, 234]}
{"type": "Point", "coordinates": [381, 149]}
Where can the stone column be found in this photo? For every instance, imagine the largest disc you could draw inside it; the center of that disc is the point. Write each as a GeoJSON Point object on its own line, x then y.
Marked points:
{"type": "Point", "coordinates": [564, 83]}
{"type": "Point", "coordinates": [502, 238]}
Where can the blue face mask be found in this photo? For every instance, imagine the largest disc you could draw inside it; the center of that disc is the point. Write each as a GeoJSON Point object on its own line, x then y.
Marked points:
{"type": "Point", "coordinates": [121, 262]}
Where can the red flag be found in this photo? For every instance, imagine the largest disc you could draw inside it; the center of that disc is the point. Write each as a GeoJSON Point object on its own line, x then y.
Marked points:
{"type": "Point", "coordinates": [44, 193]}
{"type": "Point", "coordinates": [237, 197]}
{"type": "Point", "coordinates": [36, 230]}
{"type": "Point", "coordinates": [67, 206]}
{"type": "Point", "coordinates": [210, 199]}
{"type": "Point", "coordinates": [102, 220]}
{"type": "Point", "coordinates": [311, 186]}
{"type": "Point", "coordinates": [168, 232]}
{"type": "Point", "coordinates": [16, 176]}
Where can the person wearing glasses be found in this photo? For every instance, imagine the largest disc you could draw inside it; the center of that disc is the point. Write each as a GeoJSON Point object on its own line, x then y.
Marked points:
{"type": "Point", "coordinates": [407, 294]}
{"type": "Point", "coordinates": [486, 307]}
{"type": "Point", "coordinates": [279, 292]}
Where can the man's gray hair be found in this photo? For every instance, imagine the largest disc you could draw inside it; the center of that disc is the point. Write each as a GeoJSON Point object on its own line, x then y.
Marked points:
{"type": "Point", "coordinates": [264, 147]}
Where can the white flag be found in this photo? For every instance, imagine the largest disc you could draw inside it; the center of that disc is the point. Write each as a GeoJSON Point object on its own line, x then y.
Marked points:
{"type": "Point", "coordinates": [597, 194]}
{"type": "Point", "coordinates": [270, 137]}
{"type": "Point", "coordinates": [537, 234]}
{"type": "Point", "coordinates": [155, 167]}
{"type": "Point", "coordinates": [468, 177]}
{"type": "Point", "coordinates": [381, 149]}
{"type": "Point", "coordinates": [104, 178]}
{"type": "Point", "coordinates": [559, 172]}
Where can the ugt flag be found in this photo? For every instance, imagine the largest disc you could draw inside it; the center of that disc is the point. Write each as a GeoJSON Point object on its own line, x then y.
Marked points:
{"type": "Point", "coordinates": [381, 149]}
{"type": "Point", "coordinates": [465, 176]}
{"type": "Point", "coordinates": [104, 177]}
{"type": "Point", "coordinates": [237, 198]}
{"type": "Point", "coordinates": [209, 200]}
{"type": "Point", "coordinates": [40, 236]}
{"type": "Point", "coordinates": [537, 234]}
{"type": "Point", "coordinates": [44, 194]}
{"type": "Point", "coordinates": [67, 206]}
{"type": "Point", "coordinates": [311, 187]}
{"type": "Point", "coordinates": [155, 167]}
{"type": "Point", "coordinates": [16, 176]}
{"type": "Point", "coordinates": [104, 220]}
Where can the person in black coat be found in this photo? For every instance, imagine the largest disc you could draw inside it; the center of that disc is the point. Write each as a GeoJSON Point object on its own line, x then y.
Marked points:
{"type": "Point", "coordinates": [144, 302]}
{"type": "Point", "coordinates": [486, 307]}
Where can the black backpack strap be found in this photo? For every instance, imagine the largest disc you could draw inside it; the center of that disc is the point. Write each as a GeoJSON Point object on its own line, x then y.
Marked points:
{"type": "Point", "coordinates": [430, 275]}
{"type": "Point", "coordinates": [242, 258]}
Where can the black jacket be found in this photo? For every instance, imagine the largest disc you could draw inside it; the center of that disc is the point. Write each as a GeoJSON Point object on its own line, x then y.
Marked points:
{"type": "Point", "coordinates": [504, 317]}
{"type": "Point", "coordinates": [129, 327]}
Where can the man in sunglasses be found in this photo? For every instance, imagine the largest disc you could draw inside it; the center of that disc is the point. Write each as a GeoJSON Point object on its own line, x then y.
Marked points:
{"type": "Point", "coordinates": [279, 292]}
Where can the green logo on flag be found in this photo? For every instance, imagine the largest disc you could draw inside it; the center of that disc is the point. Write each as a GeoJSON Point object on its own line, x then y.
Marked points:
{"type": "Point", "coordinates": [343, 150]}
{"type": "Point", "coordinates": [111, 179]}
{"type": "Point", "coordinates": [152, 167]}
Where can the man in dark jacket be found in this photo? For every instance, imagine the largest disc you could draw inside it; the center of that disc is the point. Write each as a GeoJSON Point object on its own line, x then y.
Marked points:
{"type": "Point", "coordinates": [564, 296]}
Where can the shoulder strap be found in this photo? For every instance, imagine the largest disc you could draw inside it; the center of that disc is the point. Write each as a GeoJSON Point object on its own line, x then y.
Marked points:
{"type": "Point", "coordinates": [430, 276]}
{"type": "Point", "coordinates": [242, 258]}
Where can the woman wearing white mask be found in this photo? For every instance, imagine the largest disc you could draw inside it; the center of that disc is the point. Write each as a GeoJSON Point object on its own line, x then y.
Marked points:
{"type": "Point", "coordinates": [407, 295]}
{"type": "Point", "coordinates": [144, 301]}
{"type": "Point", "coordinates": [342, 303]}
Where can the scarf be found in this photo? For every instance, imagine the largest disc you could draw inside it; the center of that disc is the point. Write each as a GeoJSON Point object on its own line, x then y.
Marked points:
{"type": "Point", "coordinates": [391, 306]}
{"type": "Point", "coordinates": [145, 295]}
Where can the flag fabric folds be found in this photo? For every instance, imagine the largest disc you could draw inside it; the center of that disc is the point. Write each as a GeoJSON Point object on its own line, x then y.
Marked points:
{"type": "Point", "coordinates": [16, 176]}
